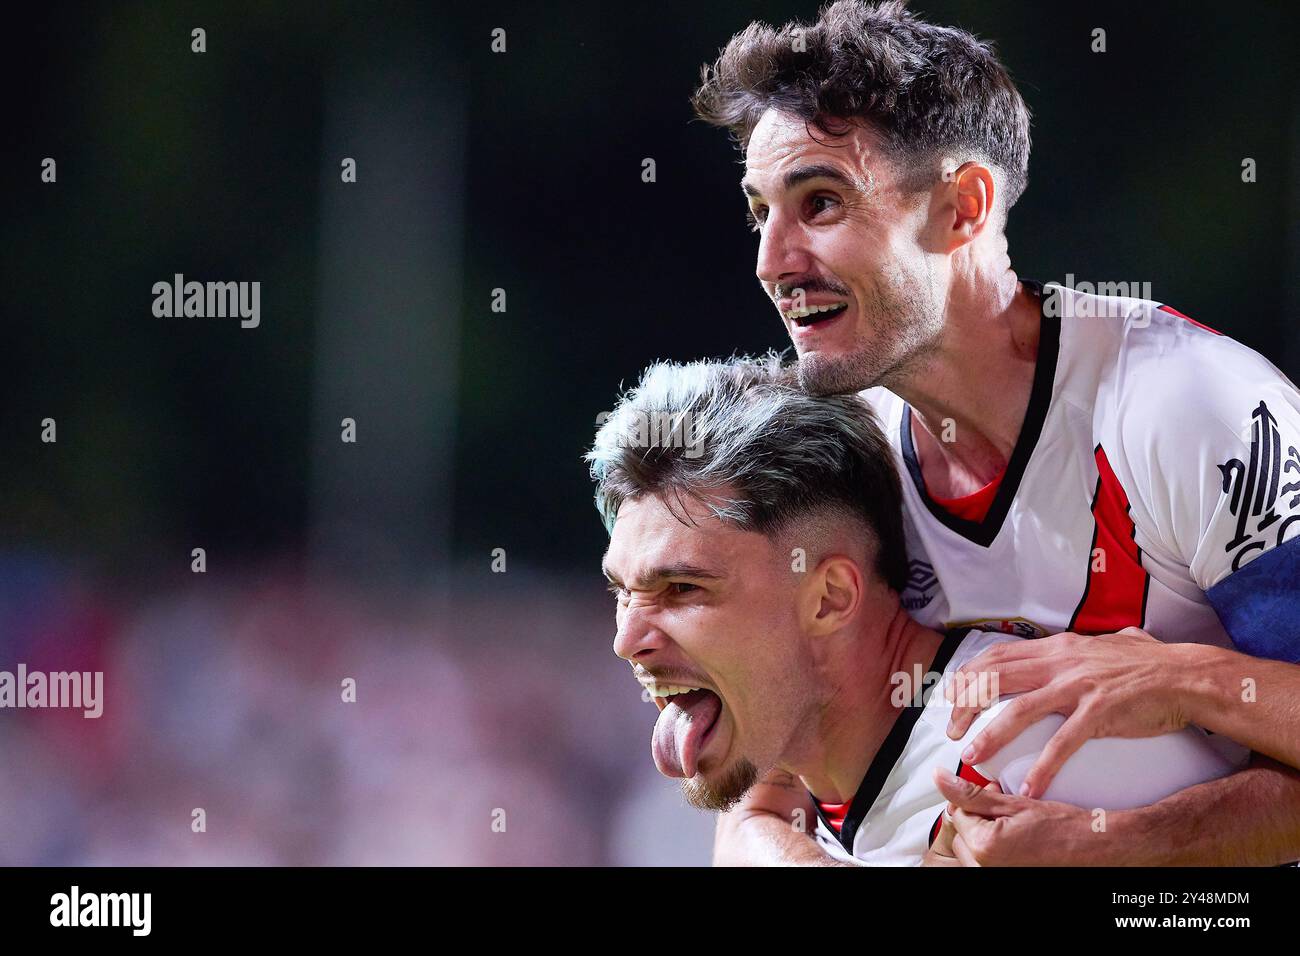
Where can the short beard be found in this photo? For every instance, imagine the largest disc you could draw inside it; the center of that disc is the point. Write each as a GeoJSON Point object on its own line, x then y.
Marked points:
{"type": "Point", "coordinates": [906, 327]}
{"type": "Point", "coordinates": [724, 794]}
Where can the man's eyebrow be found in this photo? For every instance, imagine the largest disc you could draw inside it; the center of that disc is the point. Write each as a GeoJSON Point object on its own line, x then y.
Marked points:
{"type": "Point", "coordinates": [649, 577]}
{"type": "Point", "coordinates": [801, 174]}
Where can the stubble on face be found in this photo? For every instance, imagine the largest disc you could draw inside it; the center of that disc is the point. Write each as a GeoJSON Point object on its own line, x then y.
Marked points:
{"type": "Point", "coordinates": [902, 325]}
{"type": "Point", "coordinates": [722, 795]}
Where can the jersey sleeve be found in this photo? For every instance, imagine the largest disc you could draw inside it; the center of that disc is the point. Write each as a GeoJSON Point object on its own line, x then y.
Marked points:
{"type": "Point", "coordinates": [1209, 438]}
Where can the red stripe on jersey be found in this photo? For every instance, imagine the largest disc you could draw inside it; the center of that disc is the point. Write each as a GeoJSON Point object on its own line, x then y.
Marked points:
{"type": "Point", "coordinates": [966, 773]}
{"type": "Point", "coordinates": [1200, 325]}
{"type": "Point", "coordinates": [1115, 595]}
{"type": "Point", "coordinates": [835, 813]}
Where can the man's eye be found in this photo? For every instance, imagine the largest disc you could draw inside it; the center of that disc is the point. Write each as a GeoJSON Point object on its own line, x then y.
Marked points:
{"type": "Point", "coordinates": [820, 204]}
{"type": "Point", "coordinates": [617, 590]}
{"type": "Point", "coordinates": [755, 218]}
{"type": "Point", "coordinates": [681, 587]}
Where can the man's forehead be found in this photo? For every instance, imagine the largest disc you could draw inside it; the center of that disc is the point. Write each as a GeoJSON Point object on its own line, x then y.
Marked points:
{"type": "Point", "coordinates": [647, 534]}
{"type": "Point", "coordinates": [781, 141]}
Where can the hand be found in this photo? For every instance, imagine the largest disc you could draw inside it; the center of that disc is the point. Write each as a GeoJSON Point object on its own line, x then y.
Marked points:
{"type": "Point", "coordinates": [771, 826]}
{"type": "Point", "coordinates": [991, 828]}
{"type": "Point", "coordinates": [941, 852]}
{"type": "Point", "coordinates": [1126, 684]}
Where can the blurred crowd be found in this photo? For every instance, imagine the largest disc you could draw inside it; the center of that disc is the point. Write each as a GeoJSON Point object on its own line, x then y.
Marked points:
{"type": "Point", "coordinates": [492, 725]}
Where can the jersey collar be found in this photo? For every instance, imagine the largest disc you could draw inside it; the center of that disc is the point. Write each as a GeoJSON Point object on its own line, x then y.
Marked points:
{"type": "Point", "coordinates": [1040, 399]}
{"type": "Point", "coordinates": [887, 756]}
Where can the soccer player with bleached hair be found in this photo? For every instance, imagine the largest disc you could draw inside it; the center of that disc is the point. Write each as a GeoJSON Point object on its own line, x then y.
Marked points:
{"type": "Point", "coordinates": [756, 554]}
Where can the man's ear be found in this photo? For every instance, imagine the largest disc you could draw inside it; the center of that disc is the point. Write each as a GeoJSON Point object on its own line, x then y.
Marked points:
{"type": "Point", "coordinates": [831, 596]}
{"type": "Point", "coordinates": [972, 202]}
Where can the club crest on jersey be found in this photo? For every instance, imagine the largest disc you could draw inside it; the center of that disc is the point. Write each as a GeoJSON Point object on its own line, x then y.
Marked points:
{"type": "Point", "coordinates": [1258, 488]}
{"type": "Point", "coordinates": [1015, 625]}
{"type": "Point", "coordinates": [919, 589]}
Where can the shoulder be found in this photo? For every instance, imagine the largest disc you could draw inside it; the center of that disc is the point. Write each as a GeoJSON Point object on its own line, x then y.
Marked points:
{"type": "Point", "coordinates": [1179, 409]}
{"type": "Point", "coordinates": [1174, 380]}
{"type": "Point", "coordinates": [1162, 388]}
{"type": "Point", "coordinates": [1142, 354]}
{"type": "Point", "coordinates": [1147, 368]}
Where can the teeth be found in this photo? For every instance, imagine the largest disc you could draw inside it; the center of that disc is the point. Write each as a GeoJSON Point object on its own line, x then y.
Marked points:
{"type": "Point", "coordinates": [668, 690]}
{"type": "Point", "coordinates": [813, 309]}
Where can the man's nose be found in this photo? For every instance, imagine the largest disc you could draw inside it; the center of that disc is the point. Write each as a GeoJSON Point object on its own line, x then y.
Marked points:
{"type": "Point", "coordinates": [637, 635]}
{"type": "Point", "coordinates": [781, 253]}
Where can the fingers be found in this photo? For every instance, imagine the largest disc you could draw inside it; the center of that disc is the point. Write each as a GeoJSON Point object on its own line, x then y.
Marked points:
{"type": "Point", "coordinates": [1074, 733]}
{"type": "Point", "coordinates": [971, 841]}
{"type": "Point", "coordinates": [932, 859]}
{"type": "Point", "coordinates": [962, 852]}
{"type": "Point", "coordinates": [973, 691]}
{"type": "Point", "coordinates": [974, 813]}
{"type": "Point", "coordinates": [943, 841]}
{"type": "Point", "coordinates": [964, 796]}
{"type": "Point", "coordinates": [1015, 718]}
{"type": "Point", "coordinates": [941, 852]}
{"type": "Point", "coordinates": [990, 659]}
{"type": "Point", "coordinates": [961, 719]}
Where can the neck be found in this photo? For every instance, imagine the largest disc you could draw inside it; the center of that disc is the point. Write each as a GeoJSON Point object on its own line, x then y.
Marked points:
{"type": "Point", "coordinates": [970, 393]}
{"type": "Point", "coordinates": [858, 713]}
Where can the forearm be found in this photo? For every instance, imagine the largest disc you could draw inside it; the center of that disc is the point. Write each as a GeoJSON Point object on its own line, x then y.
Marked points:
{"type": "Point", "coordinates": [1253, 701]}
{"type": "Point", "coordinates": [771, 826]}
{"type": "Point", "coordinates": [1251, 818]}
{"type": "Point", "coordinates": [760, 838]}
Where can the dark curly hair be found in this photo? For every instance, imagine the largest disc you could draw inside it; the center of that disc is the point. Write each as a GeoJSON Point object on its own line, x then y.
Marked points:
{"type": "Point", "coordinates": [925, 89]}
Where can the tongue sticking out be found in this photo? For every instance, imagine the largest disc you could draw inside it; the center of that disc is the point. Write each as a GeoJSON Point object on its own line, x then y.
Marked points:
{"type": "Point", "coordinates": [680, 729]}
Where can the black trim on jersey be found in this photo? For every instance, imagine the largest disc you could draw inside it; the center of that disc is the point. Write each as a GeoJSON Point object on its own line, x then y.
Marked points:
{"type": "Point", "coordinates": [1092, 549]}
{"type": "Point", "coordinates": [887, 757]}
{"type": "Point", "coordinates": [1040, 399]}
{"type": "Point", "coordinates": [935, 827]}
{"type": "Point", "coordinates": [1146, 585]}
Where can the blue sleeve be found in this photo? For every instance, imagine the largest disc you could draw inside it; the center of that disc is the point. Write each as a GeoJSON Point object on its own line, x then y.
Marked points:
{"type": "Point", "coordinates": [1259, 605]}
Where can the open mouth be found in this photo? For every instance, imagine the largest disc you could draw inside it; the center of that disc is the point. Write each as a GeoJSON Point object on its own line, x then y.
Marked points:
{"type": "Point", "coordinates": [687, 718]}
{"type": "Point", "coordinates": [814, 314]}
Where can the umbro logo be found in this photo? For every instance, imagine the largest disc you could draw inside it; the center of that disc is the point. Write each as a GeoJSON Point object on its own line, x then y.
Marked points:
{"type": "Point", "coordinates": [921, 581]}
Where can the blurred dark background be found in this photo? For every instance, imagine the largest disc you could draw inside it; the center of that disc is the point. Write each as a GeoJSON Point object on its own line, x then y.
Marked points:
{"type": "Point", "coordinates": [476, 171]}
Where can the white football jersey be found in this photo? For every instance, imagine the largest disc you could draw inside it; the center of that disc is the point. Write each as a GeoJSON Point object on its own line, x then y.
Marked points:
{"type": "Point", "coordinates": [897, 810]}
{"type": "Point", "coordinates": [892, 816]}
{"type": "Point", "coordinates": [1157, 461]}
